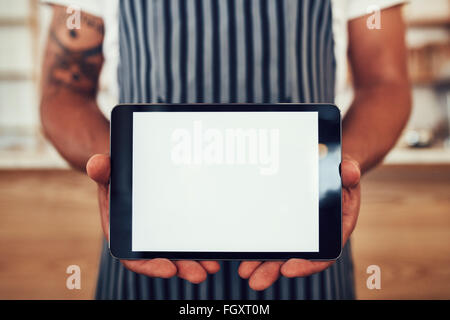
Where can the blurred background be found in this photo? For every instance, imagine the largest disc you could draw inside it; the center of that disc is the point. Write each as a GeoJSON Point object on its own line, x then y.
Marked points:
{"type": "Point", "coordinates": [48, 213]}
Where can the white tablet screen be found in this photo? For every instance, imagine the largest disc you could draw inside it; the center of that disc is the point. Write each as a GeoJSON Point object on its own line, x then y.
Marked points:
{"type": "Point", "coordinates": [225, 181]}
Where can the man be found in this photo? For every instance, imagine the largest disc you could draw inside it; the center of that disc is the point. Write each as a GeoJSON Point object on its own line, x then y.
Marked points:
{"type": "Point", "coordinates": [226, 51]}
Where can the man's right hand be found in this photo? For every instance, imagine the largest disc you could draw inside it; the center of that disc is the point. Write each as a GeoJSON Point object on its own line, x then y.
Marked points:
{"type": "Point", "coordinates": [98, 169]}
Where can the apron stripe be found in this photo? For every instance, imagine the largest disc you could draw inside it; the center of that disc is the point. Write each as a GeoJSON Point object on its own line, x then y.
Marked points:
{"type": "Point", "coordinates": [215, 63]}
{"type": "Point", "coordinates": [200, 36]}
{"type": "Point", "coordinates": [183, 50]}
{"type": "Point", "coordinates": [232, 61]}
{"type": "Point", "coordinates": [167, 50]}
{"type": "Point", "coordinates": [265, 59]}
{"type": "Point", "coordinates": [248, 29]}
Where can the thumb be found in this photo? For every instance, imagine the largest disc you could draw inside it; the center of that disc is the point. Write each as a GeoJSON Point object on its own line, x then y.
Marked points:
{"type": "Point", "coordinates": [350, 173]}
{"type": "Point", "coordinates": [98, 168]}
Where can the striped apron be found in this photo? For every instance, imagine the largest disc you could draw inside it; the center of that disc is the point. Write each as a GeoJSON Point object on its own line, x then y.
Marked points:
{"type": "Point", "coordinates": [254, 51]}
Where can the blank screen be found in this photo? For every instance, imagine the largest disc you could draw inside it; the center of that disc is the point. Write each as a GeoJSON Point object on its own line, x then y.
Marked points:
{"type": "Point", "coordinates": [225, 181]}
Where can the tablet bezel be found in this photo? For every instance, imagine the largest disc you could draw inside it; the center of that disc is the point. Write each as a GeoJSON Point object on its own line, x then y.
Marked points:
{"type": "Point", "coordinates": [330, 203]}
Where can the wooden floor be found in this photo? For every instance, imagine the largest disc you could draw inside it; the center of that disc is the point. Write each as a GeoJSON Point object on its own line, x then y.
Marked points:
{"type": "Point", "coordinates": [49, 220]}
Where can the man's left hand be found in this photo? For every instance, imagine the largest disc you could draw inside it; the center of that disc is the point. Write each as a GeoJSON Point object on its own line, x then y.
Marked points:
{"type": "Point", "coordinates": [262, 275]}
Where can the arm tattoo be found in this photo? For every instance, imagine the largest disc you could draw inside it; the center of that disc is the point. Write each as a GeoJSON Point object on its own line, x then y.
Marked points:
{"type": "Point", "coordinates": [76, 70]}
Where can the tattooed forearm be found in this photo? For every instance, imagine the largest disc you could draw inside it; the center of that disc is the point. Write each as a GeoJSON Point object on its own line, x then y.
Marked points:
{"type": "Point", "coordinates": [70, 116]}
{"type": "Point", "coordinates": [74, 57]}
{"type": "Point", "coordinates": [75, 69]}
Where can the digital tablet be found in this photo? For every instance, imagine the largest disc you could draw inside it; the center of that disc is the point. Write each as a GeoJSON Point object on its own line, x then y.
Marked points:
{"type": "Point", "coordinates": [225, 181]}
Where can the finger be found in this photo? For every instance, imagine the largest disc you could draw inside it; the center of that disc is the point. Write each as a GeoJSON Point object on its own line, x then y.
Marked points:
{"type": "Point", "coordinates": [98, 168]}
{"type": "Point", "coordinates": [210, 266]}
{"type": "Point", "coordinates": [158, 268]}
{"type": "Point", "coordinates": [191, 271]}
{"type": "Point", "coordinates": [303, 268]}
{"type": "Point", "coordinates": [350, 173]}
{"type": "Point", "coordinates": [265, 275]}
{"type": "Point", "coordinates": [103, 200]}
{"type": "Point", "coordinates": [350, 211]}
{"type": "Point", "coordinates": [246, 268]}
